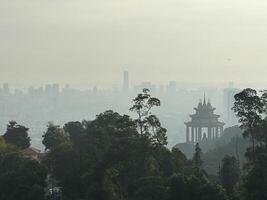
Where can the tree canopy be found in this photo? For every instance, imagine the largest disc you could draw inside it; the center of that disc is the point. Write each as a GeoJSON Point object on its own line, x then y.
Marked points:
{"type": "Point", "coordinates": [21, 178]}
{"type": "Point", "coordinates": [17, 135]}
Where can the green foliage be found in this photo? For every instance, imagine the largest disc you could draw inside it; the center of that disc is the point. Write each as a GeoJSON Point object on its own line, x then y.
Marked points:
{"type": "Point", "coordinates": [197, 157]}
{"type": "Point", "coordinates": [53, 136]}
{"type": "Point", "coordinates": [148, 125]}
{"type": "Point", "coordinates": [74, 130]}
{"type": "Point", "coordinates": [179, 160]}
{"type": "Point", "coordinates": [17, 135]}
{"type": "Point", "coordinates": [194, 188]}
{"type": "Point", "coordinates": [116, 158]}
{"type": "Point", "coordinates": [21, 178]}
{"type": "Point", "coordinates": [236, 147]}
{"type": "Point", "coordinates": [111, 161]}
{"type": "Point", "coordinates": [149, 188]}
{"type": "Point", "coordinates": [229, 173]}
{"type": "Point", "coordinates": [256, 179]}
{"type": "Point", "coordinates": [249, 107]}
{"type": "Point", "coordinates": [251, 110]}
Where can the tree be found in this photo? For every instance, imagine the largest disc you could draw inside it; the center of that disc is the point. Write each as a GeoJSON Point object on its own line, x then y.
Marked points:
{"type": "Point", "coordinates": [21, 178]}
{"type": "Point", "coordinates": [251, 110]}
{"type": "Point", "coordinates": [149, 188]}
{"type": "Point", "coordinates": [74, 129]}
{"type": "Point", "coordinates": [229, 173]}
{"type": "Point", "coordinates": [109, 159]}
{"type": "Point", "coordinates": [17, 135]}
{"type": "Point", "coordinates": [53, 136]}
{"type": "Point", "coordinates": [197, 157]}
{"type": "Point", "coordinates": [96, 156]}
{"type": "Point", "coordinates": [248, 107]}
{"type": "Point", "coordinates": [194, 188]}
{"type": "Point", "coordinates": [179, 160]}
{"type": "Point", "coordinates": [148, 125]}
{"type": "Point", "coordinates": [255, 180]}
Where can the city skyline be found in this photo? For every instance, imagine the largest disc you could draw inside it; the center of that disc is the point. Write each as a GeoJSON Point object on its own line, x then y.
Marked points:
{"type": "Point", "coordinates": [127, 81]}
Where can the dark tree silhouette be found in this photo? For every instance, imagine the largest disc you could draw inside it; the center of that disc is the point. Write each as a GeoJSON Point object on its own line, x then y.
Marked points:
{"type": "Point", "coordinates": [74, 129]}
{"type": "Point", "coordinates": [17, 135]}
{"type": "Point", "coordinates": [248, 107]}
{"type": "Point", "coordinates": [21, 178]}
{"type": "Point", "coordinates": [148, 125]}
{"type": "Point", "coordinates": [53, 136]}
{"type": "Point", "coordinates": [197, 157]}
{"type": "Point", "coordinates": [229, 173]}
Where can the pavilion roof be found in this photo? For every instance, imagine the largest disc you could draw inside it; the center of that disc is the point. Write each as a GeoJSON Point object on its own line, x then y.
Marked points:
{"type": "Point", "coordinates": [204, 115]}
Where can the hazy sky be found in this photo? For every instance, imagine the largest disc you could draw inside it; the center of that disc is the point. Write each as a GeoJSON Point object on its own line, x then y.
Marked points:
{"type": "Point", "coordinates": [92, 41]}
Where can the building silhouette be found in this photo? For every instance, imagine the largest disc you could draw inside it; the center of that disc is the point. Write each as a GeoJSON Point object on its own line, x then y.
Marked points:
{"type": "Point", "coordinates": [125, 81]}
{"type": "Point", "coordinates": [6, 89]}
{"type": "Point", "coordinates": [203, 120]}
{"type": "Point", "coordinates": [171, 87]}
{"type": "Point", "coordinates": [228, 103]}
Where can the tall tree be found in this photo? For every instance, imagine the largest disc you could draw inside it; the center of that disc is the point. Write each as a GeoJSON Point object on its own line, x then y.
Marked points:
{"type": "Point", "coordinates": [248, 107]}
{"type": "Point", "coordinates": [197, 157]}
{"type": "Point", "coordinates": [255, 181]}
{"type": "Point", "coordinates": [74, 129]}
{"type": "Point", "coordinates": [21, 178]}
{"type": "Point", "coordinates": [17, 135]}
{"type": "Point", "coordinates": [229, 173]}
{"type": "Point", "coordinates": [148, 125]}
{"type": "Point", "coordinates": [251, 110]}
{"type": "Point", "coordinates": [53, 136]}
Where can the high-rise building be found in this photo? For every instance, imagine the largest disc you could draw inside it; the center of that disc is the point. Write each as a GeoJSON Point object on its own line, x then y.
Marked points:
{"type": "Point", "coordinates": [52, 89]}
{"type": "Point", "coordinates": [172, 87]}
{"type": "Point", "coordinates": [6, 89]}
{"type": "Point", "coordinates": [228, 101]}
{"type": "Point", "coordinates": [55, 89]}
{"type": "Point", "coordinates": [125, 81]}
{"type": "Point", "coordinates": [95, 90]}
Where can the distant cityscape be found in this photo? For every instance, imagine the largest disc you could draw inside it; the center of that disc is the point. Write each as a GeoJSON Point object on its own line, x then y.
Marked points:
{"type": "Point", "coordinates": [36, 106]}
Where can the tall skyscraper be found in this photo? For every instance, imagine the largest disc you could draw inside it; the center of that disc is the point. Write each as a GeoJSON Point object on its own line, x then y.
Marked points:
{"type": "Point", "coordinates": [125, 81]}
{"type": "Point", "coordinates": [172, 87]}
{"type": "Point", "coordinates": [228, 100]}
{"type": "Point", "coordinates": [6, 88]}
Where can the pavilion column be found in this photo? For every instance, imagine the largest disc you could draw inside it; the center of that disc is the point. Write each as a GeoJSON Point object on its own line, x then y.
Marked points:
{"type": "Point", "coordinates": [221, 130]}
{"type": "Point", "coordinates": [196, 134]}
{"type": "Point", "coordinates": [199, 133]}
{"type": "Point", "coordinates": [212, 133]}
{"type": "Point", "coordinates": [209, 133]}
{"type": "Point", "coordinates": [217, 131]}
{"type": "Point", "coordinates": [187, 134]}
{"type": "Point", "coordinates": [192, 134]}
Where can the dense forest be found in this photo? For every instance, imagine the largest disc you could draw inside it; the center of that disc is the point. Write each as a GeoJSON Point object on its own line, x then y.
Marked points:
{"type": "Point", "coordinates": [115, 157]}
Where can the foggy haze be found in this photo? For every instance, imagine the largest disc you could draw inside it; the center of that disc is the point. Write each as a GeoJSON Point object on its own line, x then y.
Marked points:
{"type": "Point", "coordinates": [91, 42]}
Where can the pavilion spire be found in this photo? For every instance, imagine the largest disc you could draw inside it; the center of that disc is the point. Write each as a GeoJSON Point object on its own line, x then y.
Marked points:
{"type": "Point", "coordinates": [204, 102]}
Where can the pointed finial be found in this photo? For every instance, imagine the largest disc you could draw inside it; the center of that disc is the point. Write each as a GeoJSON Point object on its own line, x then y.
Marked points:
{"type": "Point", "coordinates": [200, 103]}
{"type": "Point", "coordinates": [204, 102]}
